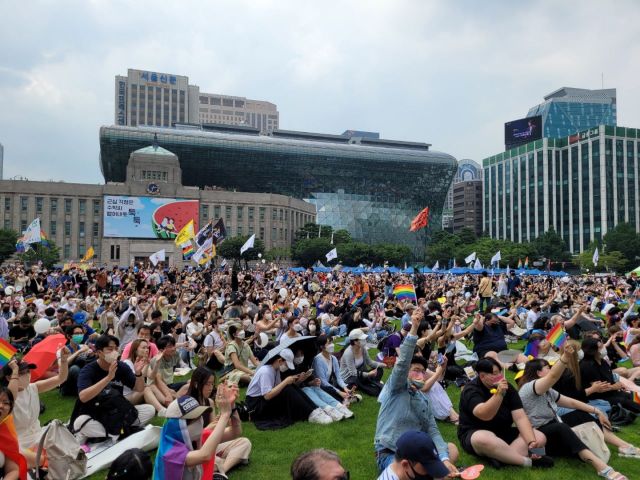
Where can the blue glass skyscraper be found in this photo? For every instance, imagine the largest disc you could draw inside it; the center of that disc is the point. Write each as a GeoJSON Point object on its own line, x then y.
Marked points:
{"type": "Point", "coordinates": [568, 110]}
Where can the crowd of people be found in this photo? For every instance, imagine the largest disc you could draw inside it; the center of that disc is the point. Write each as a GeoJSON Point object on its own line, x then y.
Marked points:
{"type": "Point", "coordinates": [145, 342]}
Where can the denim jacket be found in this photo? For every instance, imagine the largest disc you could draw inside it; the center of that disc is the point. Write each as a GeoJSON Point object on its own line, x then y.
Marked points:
{"type": "Point", "coordinates": [402, 409]}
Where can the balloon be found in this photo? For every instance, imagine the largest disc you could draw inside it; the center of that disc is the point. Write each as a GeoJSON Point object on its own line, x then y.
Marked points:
{"type": "Point", "coordinates": [283, 292]}
{"type": "Point", "coordinates": [42, 325]}
{"type": "Point", "coordinates": [9, 290]}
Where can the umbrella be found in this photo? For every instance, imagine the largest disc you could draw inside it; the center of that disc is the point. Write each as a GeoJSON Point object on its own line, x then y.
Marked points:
{"type": "Point", "coordinates": [44, 353]}
{"type": "Point", "coordinates": [306, 344]}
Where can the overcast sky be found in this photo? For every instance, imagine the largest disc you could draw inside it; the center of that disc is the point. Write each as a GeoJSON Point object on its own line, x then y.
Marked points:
{"type": "Point", "coordinates": [448, 73]}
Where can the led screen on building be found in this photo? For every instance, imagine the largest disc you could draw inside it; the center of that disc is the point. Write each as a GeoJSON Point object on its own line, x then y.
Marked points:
{"type": "Point", "coordinates": [147, 217]}
{"type": "Point", "coordinates": [522, 131]}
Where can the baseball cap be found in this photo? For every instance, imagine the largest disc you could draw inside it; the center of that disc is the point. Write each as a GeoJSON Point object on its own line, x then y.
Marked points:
{"type": "Point", "coordinates": [357, 334]}
{"type": "Point", "coordinates": [418, 447]}
{"type": "Point", "coordinates": [23, 367]}
{"type": "Point", "coordinates": [287, 355]}
{"type": "Point", "coordinates": [262, 340]}
{"type": "Point", "coordinates": [185, 407]}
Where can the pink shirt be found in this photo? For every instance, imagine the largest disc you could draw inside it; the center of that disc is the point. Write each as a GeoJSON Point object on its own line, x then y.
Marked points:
{"type": "Point", "coordinates": [153, 350]}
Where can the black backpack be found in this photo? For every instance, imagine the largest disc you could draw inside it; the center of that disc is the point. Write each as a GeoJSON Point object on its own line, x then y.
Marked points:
{"type": "Point", "coordinates": [116, 414]}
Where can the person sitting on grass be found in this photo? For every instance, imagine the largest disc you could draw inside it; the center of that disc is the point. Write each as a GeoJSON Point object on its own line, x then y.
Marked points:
{"type": "Point", "coordinates": [489, 406]}
{"type": "Point", "coordinates": [403, 407]}
{"type": "Point", "coordinates": [326, 369]}
{"type": "Point", "coordinates": [177, 459]}
{"type": "Point", "coordinates": [162, 384]}
{"type": "Point", "coordinates": [238, 354]}
{"type": "Point", "coordinates": [233, 449]}
{"type": "Point", "coordinates": [276, 403]}
{"type": "Point", "coordinates": [541, 403]}
{"type": "Point", "coordinates": [13, 466]}
{"type": "Point", "coordinates": [357, 368]}
{"type": "Point", "coordinates": [416, 457]}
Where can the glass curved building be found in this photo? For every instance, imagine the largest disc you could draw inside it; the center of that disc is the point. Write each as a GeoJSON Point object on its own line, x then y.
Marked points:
{"type": "Point", "coordinates": [371, 187]}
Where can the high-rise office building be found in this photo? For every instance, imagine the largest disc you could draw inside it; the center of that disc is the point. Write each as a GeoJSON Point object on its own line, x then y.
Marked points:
{"type": "Point", "coordinates": [582, 186]}
{"type": "Point", "coordinates": [467, 170]}
{"type": "Point", "coordinates": [570, 110]}
{"type": "Point", "coordinates": [164, 99]}
{"type": "Point", "coordinates": [467, 205]}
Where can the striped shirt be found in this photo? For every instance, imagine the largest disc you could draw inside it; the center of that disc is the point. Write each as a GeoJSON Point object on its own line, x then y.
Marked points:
{"type": "Point", "coordinates": [388, 474]}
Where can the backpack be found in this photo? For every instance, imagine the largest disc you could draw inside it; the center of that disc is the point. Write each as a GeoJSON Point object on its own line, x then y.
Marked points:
{"type": "Point", "coordinates": [116, 414]}
{"type": "Point", "coordinates": [66, 459]}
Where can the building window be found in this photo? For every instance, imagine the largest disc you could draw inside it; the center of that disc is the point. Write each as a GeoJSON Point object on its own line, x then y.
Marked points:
{"type": "Point", "coordinates": [39, 203]}
{"type": "Point", "coordinates": [155, 175]}
{"type": "Point", "coordinates": [251, 232]}
{"type": "Point", "coordinates": [24, 203]}
{"type": "Point", "coordinates": [261, 237]}
{"type": "Point", "coordinates": [7, 224]}
{"type": "Point", "coordinates": [96, 230]}
{"type": "Point", "coordinates": [82, 206]}
{"type": "Point", "coordinates": [251, 213]}
{"type": "Point", "coordinates": [23, 225]}
{"type": "Point", "coordinates": [7, 204]}
{"type": "Point", "coordinates": [67, 229]}
{"type": "Point", "coordinates": [274, 234]}
{"type": "Point", "coordinates": [67, 251]}
{"type": "Point", "coordinates": [281, 215]}
{"type": "Point", "coordinates": [96, 208]}
{"type": "Point", "coordinates": [53, 228]}
{"type": "Point", "coordinates": [81, 229]}
{"type": "Point", "coordinates": [53, 202]}
{"type": "Point", "coordinates": [227, 214]}
{"type": "Point", "coordinates": [115, 252]}
{"type": "Point", "coordinates": [274, 214]}
{"type": "Point", "coordinates": [262, 212]}
{"type": "Point", "coordinates": [67, 206]}
{"type": "Point", "coordinates": [205, 212]}
{"type": "Point", "coordinates": [216, 211]}
{"type": "Point", "coordinates": [239, 211]}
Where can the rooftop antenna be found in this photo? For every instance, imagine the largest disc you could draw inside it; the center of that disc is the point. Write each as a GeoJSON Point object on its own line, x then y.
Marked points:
{"type": "Point", "coordinates": [155, 141]}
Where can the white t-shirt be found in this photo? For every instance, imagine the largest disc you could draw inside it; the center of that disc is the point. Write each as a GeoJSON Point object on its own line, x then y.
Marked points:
{"type": "Point", "coordinates": [388, 474]}
{"type": "Point", "coordinates": [263, 381]}
{"type": "Point", "coordinates": [213, 339]}
{"type": "Point", "coordinates": [26, 411]}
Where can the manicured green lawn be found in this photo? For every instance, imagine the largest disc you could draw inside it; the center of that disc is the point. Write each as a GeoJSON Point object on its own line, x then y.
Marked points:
{"type": "Point", "coordinates": [273, 451]}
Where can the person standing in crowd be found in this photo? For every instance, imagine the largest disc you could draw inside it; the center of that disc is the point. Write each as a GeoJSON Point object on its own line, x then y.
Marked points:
{"type": "Point", "coordinates": [485, 291]}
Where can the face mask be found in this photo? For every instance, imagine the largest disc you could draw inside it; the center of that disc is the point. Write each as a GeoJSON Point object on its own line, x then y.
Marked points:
{"type": "Point", "coordinates": [240, 335]}
{"type": "Point", "coordinates": [5, 309]}
{"type": "Point", "coordinates": [297, 328]}
{"type": "Point", "coordinates": [111, 357]}
{"type": "Point", "coordinates": [156, 334]}
{"type": "Point", "coordinates": [362, 343]}
{"type": "Point", "coordinates": [417, 383]}
{"type": "Point", "coordinates": [297, 360]}
{"type": "Point", "coordinates": [283, 367]}
{"type": "Point", "coordinates": [312, 328]}
{"type": "Point", "coordinates": [331, 348]}
{"type": "Point", "coordinates": [77, 339]}
{"type": "Point", "coordinates": [416, 475]}
{"type": "Point", "coordinates": [580, 354]}
{"type": "Point", "coordinates": [603, 352]}
{"type": "Point", "coordinates": [178, 331]}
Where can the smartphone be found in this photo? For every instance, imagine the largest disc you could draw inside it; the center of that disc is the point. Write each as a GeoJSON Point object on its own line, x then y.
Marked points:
{"type": "Point", "coordinates": [538, 451]}
{"type": "Point", "coordinates": [310, 371]}
{"type": "Point", "coordinates": [440, 359]}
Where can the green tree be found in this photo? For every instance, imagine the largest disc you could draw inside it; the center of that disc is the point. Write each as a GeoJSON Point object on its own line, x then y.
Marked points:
{"type": "Point", "coordinates": [308, 251]}
{"type": "Point", "coordinates": [313, 230]}
{"type": "Point", "coordinates": [341, 236]}
{"type": "Point", "coordinates": [614, 262]}
{"type": "Point", "coordinates": [355, 253]}
{"type": "Point", "coordinates": [550, 245]}
{"type": "Point", "coordinates": [230, 249]}
{"type": "Point", "coordinates": [49, 256]}
{"type": "Point", "coordinates": [8, 239]}
{"type": "Point", "coordinates": [391, 253]}
{"type": "Point", "coordinates": [467, 236]}
{"type": "Point", "coordinates": [623, 238]}
{"type": "Point", "coordinates": [277, 254]}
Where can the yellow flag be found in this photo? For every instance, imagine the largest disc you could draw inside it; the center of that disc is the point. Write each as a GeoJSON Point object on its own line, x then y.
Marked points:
{"type": "Point", "coordinates": [208, 255]}
{"type": "Point", "coordinates": [185, 234]}
{"type": "Point", "coordinates": [89, 255]}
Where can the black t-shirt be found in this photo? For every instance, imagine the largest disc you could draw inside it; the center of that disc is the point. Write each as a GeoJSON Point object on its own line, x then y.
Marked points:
{"type": "Point", "coordinates": [591, 371]}
{"type": "Point", "coordinates": [93, 373]}
{"type": "Point", "coordinates": [566, 386]}
{"type": "Point", "coordinates": [490, 338]}
{"type": "Point", "coordinates": [17, 332]}
{"type": "Point", "coordinates": [475, 393]}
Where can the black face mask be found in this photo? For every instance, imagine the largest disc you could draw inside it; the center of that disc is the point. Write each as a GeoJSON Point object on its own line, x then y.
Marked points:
{"type": "Point", "coordinates": [178, 331]}
{"type": "Point", "coordinates": [419, 476]}
{"type": "Point", "coordinates": [5, 309]}
{"type": "Point", "coordinates": [156, 334]}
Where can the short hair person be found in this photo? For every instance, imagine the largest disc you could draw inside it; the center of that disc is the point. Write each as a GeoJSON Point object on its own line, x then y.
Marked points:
{"type": "Point", "coordinates": [318, 464]}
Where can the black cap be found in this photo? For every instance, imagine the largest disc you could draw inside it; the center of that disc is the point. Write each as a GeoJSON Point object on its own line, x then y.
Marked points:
{"type": "Point", "coordinates": [23, 367]}
{"type": "Point", "coordinates": [418, 447]}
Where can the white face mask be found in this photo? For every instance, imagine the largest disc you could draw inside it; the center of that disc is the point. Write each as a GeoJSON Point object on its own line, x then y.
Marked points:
{"type": "Point", "coordinates": [580, 355]}
{"type": "Point", "coordinates": [603, 352]}
{"type": "Point", "coordinates": [331, 348]}
{"type": "Point", "coordinates": [240, 334]}
{"type": "Point", "coordinates": [111, 357]}
{"type": "Point", "coordinates": [297, 360]}
{"type": "Point", "coordinates": [283, 367]}
{"type": "Point", "coordinates": [312, 328]}
{"type": "Point", "coordinates": [362, 343]}
{"type": "Point", "coordinates": [297, 327]}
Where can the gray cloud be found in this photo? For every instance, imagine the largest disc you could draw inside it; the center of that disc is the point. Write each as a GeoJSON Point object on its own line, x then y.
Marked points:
{"type": "Point", "coordinates": [449, 73]}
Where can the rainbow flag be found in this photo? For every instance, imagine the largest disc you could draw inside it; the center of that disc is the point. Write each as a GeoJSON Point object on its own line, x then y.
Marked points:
{"type": "Point", "coordinates": [526, 262]}
{"type": "Point", "coordinates": [43, 239]}
{"type": "Point", "coordinates": [405, 292]}
{"type": "Point", "coordinates": [519, 263]}
{"type": "Point", "coordinates": [6, 352]}
{"type": "Point", "coordinates": [556, 336]}
{"type": "Point", "coordinates": [532, 348]}
{"type": "Point", "coordinates": [173, 449]}
{"type": "Point", "coordinates": [279, 310]}
{"type": "Point", "coordinates": [187, 250]}
{"type": "Point", "coordinates": [354, 301]}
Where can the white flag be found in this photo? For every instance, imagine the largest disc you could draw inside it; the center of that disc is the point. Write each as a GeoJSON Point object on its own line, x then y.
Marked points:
{"type": "Point", "coordinates": [204, 252]}
{"type": "Point", "coordinates": [332, 254]}
{"type": "Point", "coordinates": [157, 257]}
{"type": "Point", "coordinates": [496, 258]}
{"type": "Point", "coordinates": [436, 267]}
{"type": "Point", "coordinates": [470, 258]}
{"type": "Point", "coordinates": [596, 257]}
{"type": "Point", "coordinates": [477, 265]}
{"type": "Point", "coordinates": [32, 233]}
{"type": "Point", "coordinates": [248, 244]}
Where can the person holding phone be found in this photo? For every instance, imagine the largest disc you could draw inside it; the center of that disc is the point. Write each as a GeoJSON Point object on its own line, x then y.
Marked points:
{"type": "Point", "coordinates": [541, 403]}
{"type": "Point", "coordinates": [489, 406]}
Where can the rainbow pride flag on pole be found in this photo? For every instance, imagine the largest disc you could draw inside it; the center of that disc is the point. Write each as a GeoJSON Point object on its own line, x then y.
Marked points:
{"type": "Point", "coordinates": [187, 250]}
{"type": "Point", "coordinates": [405, 291]}
{"type": "Point", "coordinates": [6, 352]}
{"type": "Point", "coordinates": [354, 301]}
{"type": "Point", "coordinates": [556, 336]}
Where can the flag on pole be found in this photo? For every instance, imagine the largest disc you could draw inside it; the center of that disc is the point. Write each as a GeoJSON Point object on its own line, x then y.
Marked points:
{"type": "Point", "coordinates": [470, 258]}
{"type": "Point", "coordinates": [219, 233]}
{"type": "Point", "coordinates": [157, 257]}
{"type": "Point", "coordinates": [331, 238]}
{"type": "Point", "coordinates": [455, 265]}
{"type": "Point", "coordinates": [204, 234]}
{"type": "Point", "coordinates": [88, 255]}
{"type": "Point", "coordinates": [556, 336]}
{"type": "Point", "coordinates": [405, 291]}
{"type": "Point", "coordinates": [205, 253]}
{"type": "Point", "coordinates": [32, 233]}
{"type": "Point", "coordinates": [436, 267]}
{"type": "Point", "coordinates": [43, 239]}
{"type": "Point", "coordinates": [596, 257]}
{"type": "Point", "coordinates": [526, 262]}
{"type": "Point", "coordinates": [519, 263]}
{"type": "Point", "coordinates": [7, 351]}
{"type": "Point", "coordinates": [496, 258]}
{"type": "Point", "coordinates": [477, 265]}
{"type": "Point", "coordinates": [421, 220]}
{"type": "Point", "coordinates": [185, 234]}
{"type": "Point", "coordinates": [187, 250]}
{"type": "Point", "coordinates": [332, 254]}
{"type": "Point", "coordinates": [248, 244]}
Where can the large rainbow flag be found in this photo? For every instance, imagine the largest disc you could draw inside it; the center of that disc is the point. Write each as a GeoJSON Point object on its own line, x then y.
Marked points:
{"type": "Point", "coordinates": [556, 336]}
{"type": "Point", "coordinates": [174, 446]}
{"type": "Point", "coordinates": [7, 351]}
{"type": "Point", "coordinates": [405, 291]}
